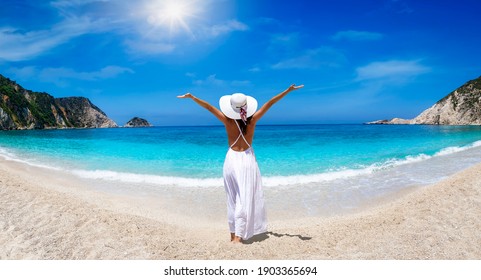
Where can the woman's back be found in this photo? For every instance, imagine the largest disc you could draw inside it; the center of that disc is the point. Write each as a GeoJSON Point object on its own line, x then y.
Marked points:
{"type": "Point", "coordinates": [234, 137]}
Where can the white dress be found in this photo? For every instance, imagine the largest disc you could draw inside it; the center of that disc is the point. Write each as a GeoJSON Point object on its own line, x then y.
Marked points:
{"type": "Point", "coordinates": [245, 200]}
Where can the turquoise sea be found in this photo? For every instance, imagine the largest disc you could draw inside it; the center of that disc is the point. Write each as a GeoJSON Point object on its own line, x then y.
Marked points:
{"type": "Point", "coordinates": [338, 166]}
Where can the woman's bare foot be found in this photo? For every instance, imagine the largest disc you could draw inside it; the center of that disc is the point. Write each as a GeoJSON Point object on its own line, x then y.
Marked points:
{"type": "Point", "coordinates": [232, 236]}
{"type": "Point", "coordinates": [237, 239]}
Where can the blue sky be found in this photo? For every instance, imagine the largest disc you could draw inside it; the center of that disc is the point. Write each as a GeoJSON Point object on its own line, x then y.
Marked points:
{"type": "Point", "coordinates": [359, 60]}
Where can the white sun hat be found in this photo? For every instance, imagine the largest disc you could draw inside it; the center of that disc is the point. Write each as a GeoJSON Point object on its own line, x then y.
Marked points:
{"type": "Point", "coordinates": [231, 105]}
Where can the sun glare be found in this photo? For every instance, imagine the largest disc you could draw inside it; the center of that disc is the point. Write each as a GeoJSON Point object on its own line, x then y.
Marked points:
{"type": "Point", "coordinates": [173, 14]}
{"type": "Point", "coordinates": [174, 11]}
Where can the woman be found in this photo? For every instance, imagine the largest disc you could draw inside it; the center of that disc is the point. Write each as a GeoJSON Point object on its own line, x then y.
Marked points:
{"type": "Point", "coordinates": [242, 179]}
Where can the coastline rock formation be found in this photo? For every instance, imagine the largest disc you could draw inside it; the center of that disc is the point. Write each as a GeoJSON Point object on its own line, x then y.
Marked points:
{"type": "Point", "coordinates": [25, 109]}
{"type": "Point", "coordinates": [137, 122]}
{"type": "Point", "coordinates": [460, 107]}
{"type": "Point", "coordinates": [392, 121]}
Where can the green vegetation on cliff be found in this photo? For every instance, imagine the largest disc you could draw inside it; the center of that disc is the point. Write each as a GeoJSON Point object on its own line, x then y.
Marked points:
{"type": "Point", "coordinates": [26, 109]}
{"type": "Point", "coordinates": [460, 107]}
{"type": "Point", "coordinates": [470, 91]}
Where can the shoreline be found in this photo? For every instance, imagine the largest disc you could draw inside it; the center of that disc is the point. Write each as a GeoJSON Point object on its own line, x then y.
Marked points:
{"type": "Point", "coordinates": [46, 216]}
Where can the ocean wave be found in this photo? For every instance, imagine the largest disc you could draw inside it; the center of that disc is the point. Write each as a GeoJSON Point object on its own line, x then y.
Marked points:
{"type": "Point", "coordinates": [340, 174]}
{"type": "Point", "coordinates": [12, 156]}
{"type": "Point", "coordinates": [135, 178]}
{"type": "Point", "coordinates": [268, 181]}
{"type": "Point", "coordinates": [456, 149]}
{"type": "Point", "coordinates": [366, 170]}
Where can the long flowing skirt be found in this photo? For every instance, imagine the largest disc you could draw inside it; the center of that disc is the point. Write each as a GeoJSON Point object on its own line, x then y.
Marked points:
{"type": "Point", "coordinates": [245, 199]}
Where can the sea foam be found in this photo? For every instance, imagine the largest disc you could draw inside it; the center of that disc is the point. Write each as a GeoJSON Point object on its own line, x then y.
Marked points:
{"type": "Point", "coordinates": [268, 181]}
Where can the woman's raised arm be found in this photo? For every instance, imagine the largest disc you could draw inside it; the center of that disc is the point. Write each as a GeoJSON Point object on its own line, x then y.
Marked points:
{"type": "Point", "coordinates": [271, 102]}
{"type": "Point", "coordinates": [216, 112]}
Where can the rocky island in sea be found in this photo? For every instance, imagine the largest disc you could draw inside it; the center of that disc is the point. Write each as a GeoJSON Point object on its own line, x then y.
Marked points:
{"type": "Point", "coordinates": [137, 122]}
{"type": "Point", "coordinates": [460, 107]}
{"type": "Point", "coordinates": [25, 109]}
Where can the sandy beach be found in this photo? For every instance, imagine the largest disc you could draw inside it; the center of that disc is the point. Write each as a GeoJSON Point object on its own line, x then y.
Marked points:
{"type": "Point", "coordinates": [47, 216]}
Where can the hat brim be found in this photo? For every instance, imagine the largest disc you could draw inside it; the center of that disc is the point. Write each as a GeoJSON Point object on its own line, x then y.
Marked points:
{"type": "Point", "coordinates": [226, 108]}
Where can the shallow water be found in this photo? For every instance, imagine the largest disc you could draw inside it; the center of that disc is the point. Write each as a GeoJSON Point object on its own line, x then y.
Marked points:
{"type": "Point", "coordinates": [307, 169]}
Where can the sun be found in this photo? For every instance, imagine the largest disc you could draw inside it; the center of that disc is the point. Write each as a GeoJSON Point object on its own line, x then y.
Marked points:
{"type": "Point", "coordinates": [175, 11]}
{"type": "Point", "coordinates": [173, 14]}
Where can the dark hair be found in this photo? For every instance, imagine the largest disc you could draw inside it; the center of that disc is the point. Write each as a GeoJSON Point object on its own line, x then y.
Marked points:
{"type": "Point", "coordinates": [242, 125]}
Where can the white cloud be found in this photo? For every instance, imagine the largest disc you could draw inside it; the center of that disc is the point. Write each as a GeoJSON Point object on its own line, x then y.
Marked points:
{"type": "Point", "coordinates": [127, 21]}
{"type": "Point", "coordinates": [67, 73]}
{"type": "Point", "coordinates": [395, 70]}
{"type": "Point", "coordinates": [312, 59]}
{"type": "Point", "coordinates": [155, 40]}
{"type": "Point", "coordinates": [24, 72]}
{"type": "Point", "coordinates": [107, 72]}
{"type": "Point", "coordinates": [282, 43]}
{"type": "Point", "coordinates": [60, 75]}
{"type": "Point", "coordinates": [353, 35]}
{"type": "Point", "coordinates": [225, 28]}
{"type": "Point", "coordinates": [72, 3]}
{"type": "Point", "coordinates": [283, 38]}
{"type": "Point", "coordinates": [17, 45]}
{"type": "Point", "coordinates": [212, 80]}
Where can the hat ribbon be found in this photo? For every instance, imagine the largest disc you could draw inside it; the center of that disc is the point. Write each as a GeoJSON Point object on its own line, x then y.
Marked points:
{"type": "Point", "coordinates": [243, 113]}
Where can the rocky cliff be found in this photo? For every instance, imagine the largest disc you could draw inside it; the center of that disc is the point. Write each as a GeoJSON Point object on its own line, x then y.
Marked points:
{"type": "Point", "coordinates": [460, 107]}
{"type": "Point", "coordinates": [25, 109]}
{"type": "Point", "coordinates": [137, 122]}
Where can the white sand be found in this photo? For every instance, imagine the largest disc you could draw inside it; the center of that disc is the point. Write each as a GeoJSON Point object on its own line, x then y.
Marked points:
{"type": "Point", "coordinates": [44, 215]}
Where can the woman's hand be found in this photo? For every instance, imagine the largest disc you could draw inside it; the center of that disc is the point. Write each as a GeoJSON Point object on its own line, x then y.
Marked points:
{"type": "Point", "coordinates": [294, 87]}
{"type": "Point", "coordinates": [187, 95]}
